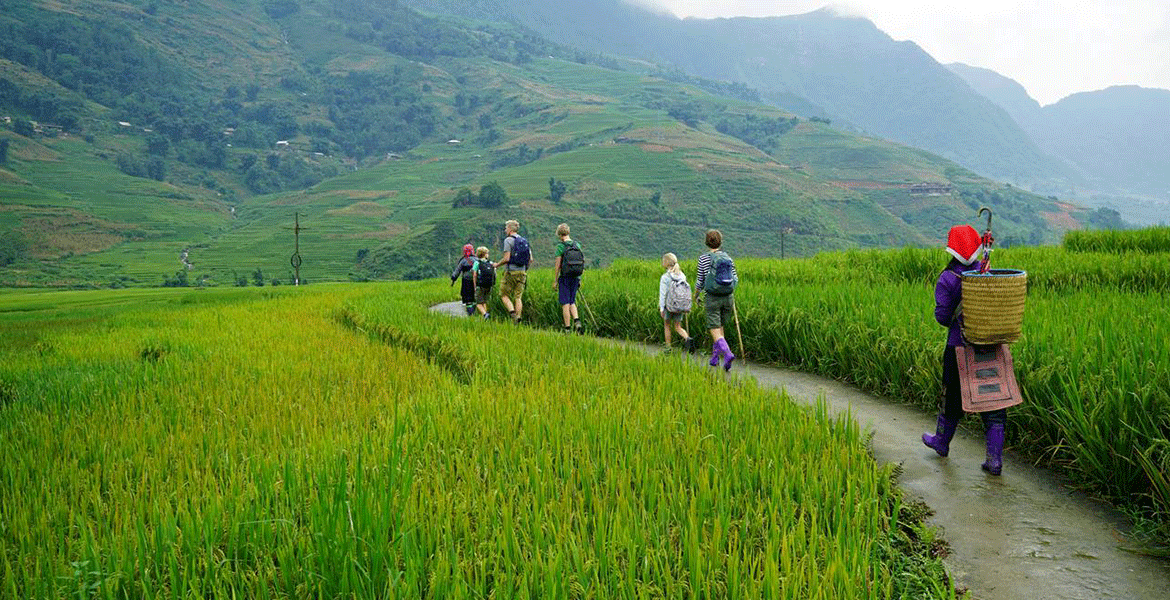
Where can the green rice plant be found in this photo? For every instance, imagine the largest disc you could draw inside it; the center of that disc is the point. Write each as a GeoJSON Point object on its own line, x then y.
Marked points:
{"type": "Point", "coordinates": [338, 441]}
{"type": "Point", "coordinates": [1049, 269]}
{"type": "Point", "coordinates": [1149, 240]}
{"type": "Point", "coordinates": [1092, 367]}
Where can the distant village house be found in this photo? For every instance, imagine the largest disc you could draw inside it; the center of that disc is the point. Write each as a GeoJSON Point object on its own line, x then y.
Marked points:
{"type": "Point", "coordinates": [930, 189]}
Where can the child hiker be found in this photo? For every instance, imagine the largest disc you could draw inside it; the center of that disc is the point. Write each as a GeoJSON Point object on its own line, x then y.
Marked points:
{"type": "Point", "coordinates": [964, 246]}
{"type": "Point", "coordinates": [483, 275]}
{"type": "Point", "coordinates": [717, 278]}
{"type": "Point", "coordinates": [467, 287]}
{"type": "Point", "coordinates": [674, 301]}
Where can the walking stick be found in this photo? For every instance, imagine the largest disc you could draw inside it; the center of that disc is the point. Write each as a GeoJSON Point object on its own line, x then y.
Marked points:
{"type": "Point", "coordinates": [738, 334]}
{"type": "Point", "coordinates": [588, 310]}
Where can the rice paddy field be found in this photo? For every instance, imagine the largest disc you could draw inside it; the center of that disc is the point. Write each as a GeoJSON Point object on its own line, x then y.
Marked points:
{"type": "Point", "coordinates": [342, 442]}
{"type": "Point", "coordinates": [1093, 366]}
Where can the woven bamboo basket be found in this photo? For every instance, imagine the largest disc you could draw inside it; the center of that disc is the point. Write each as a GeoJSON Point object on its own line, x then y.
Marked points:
{"type": "Point", "coordinates": [993, 305]}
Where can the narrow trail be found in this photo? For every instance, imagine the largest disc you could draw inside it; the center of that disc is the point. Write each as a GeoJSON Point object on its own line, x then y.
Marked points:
{"type": "Point", "coordinates": [1018, 536]}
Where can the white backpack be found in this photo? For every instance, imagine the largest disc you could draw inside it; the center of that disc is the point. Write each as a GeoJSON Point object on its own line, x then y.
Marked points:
{"type": "Point", "coordinates": [678, 296]}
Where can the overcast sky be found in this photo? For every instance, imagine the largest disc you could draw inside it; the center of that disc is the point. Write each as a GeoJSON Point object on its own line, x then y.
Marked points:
{"type": "Point", "coordinates": [1052, 47]}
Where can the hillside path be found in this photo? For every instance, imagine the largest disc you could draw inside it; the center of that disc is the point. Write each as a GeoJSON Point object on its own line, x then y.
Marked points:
{"type": "Point", "coordinates": [1022, 535]}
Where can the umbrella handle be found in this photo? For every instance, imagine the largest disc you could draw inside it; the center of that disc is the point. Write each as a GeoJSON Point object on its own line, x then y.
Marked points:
{"type": "Point", "coordinates": [987, 240]}
{"type": "Point", "coordinates": [988, 211]}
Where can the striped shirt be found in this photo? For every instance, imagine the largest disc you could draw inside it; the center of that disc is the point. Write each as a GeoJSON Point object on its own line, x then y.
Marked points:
{"type": "Point", "coordinates": [705, 262]}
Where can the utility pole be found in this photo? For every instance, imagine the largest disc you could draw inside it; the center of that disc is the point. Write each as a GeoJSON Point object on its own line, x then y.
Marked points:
{"type": "Point", "coordinates": [295, 260]}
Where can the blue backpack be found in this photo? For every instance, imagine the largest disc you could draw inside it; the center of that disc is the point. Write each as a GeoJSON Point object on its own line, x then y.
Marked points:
{"type": "Point", "coordinates": [721, 281]}
{"type": "Point", "coordinates": [521, 254]}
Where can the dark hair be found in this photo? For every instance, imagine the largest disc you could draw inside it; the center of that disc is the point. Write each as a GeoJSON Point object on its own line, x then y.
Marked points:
{"type": "Point", "coordinates": [714, 239]}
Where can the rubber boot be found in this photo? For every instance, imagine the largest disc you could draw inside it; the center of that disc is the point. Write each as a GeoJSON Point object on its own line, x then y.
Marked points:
{"type": "Point", "coordinates": [994, 462]}
{"type": "Point", "coordinates": [716, 354]}
{"type": "Point", "coordinates": [727, 355]}
{"type": "Point", "coordinates": [941, 440]}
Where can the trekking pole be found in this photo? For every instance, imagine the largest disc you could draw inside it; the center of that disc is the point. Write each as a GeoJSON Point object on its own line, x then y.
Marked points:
{"type": "Point", "coordinates": [588, 310]}
{"type": "Point", "coordinates": [738, 334]}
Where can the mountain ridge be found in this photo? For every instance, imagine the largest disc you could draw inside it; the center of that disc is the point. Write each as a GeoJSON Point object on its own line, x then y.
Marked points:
{"type": "Point", "coordinates": [845, 64]}
{"type": "Point", "coordinates": [1114, 137]}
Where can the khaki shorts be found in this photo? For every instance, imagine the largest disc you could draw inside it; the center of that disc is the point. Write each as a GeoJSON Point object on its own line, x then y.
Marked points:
{"type": "Point", "coordinates": [719, 310]}
{"type": "Point", "coordinates": [514, 284]}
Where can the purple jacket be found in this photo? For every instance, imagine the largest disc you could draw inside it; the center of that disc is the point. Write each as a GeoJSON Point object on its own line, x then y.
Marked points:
{"type": "Point", "coordinates": [948, 293]}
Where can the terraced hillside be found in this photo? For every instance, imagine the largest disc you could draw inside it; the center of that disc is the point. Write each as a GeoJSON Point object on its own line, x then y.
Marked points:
{"type": "Point", "coordinates": [369, 119]}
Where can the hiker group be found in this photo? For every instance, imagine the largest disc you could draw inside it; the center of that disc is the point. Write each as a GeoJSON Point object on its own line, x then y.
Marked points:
{"type": "Point", "coordinates": [717, 279]}
{"type": "Point", "coordinates": [478, 275]}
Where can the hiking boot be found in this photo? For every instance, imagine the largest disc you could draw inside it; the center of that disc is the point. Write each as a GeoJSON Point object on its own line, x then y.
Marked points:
{"type": "Point", "coordinates": [940, 442]}
{"type": "Point", "coordinates": [566, 330]}
{"type": "Point", "coordinates": [689, 345]}
{"type": "Point", "coordinates": [578, 327]}
{"type": "Point", "coordinates": [470, 308]}
{"type": "Point", "coordinates": [994, 436]}
{"type": "Point", "coordinates": [487, 315]}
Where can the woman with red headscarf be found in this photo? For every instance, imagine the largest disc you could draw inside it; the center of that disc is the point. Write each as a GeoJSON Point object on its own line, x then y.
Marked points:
{"type": "Point", "coordinates": [964, 245]}
{"type": "Point", "coordinates": [463, 269]}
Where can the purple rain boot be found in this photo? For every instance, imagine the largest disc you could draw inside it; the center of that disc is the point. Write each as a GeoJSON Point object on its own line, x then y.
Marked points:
{"type": "Point", "coordinates": [716, 354]}
{"type": "Point", "coordinates": [727, 355]}
{"type": "Point", "coordinates": [994, 462]}
{"type": "Point", "coordinates": [941, 440]}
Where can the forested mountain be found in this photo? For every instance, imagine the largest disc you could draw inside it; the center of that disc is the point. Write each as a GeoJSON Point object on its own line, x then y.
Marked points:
{"type": "Point", "coordinates": [1007, 93]}
{"type": "Point", "coordinates": [150, 142]}
{"type": "Point", "coordinates": [1115, 138]}
{"type": "Point", "coordinates": [844, 66]}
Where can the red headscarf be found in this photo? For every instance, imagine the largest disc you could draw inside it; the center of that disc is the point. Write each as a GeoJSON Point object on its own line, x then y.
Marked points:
{"type": "Point", "coordinates": [964, 243]}
{"type": "Point", "coordinates": [468, 250]}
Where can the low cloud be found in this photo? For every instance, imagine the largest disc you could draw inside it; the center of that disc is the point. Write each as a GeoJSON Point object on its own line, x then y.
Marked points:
{"type": "Point", "coordinates": [1053, 47]}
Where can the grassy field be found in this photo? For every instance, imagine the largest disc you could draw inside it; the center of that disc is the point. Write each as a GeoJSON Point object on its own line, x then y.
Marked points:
{"type": "Point", "coordinates": [1091, 365]}
{"type": "Point", "coordinates": [1152, 240]}
{"type": "Point", "coordinates": [338, 441]}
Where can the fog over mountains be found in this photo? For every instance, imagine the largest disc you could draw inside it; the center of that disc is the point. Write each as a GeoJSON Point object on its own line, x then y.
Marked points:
{"type": "Point", "coordinates": [1115, 138]}
{"type": "Point", "coordinates": [1091, 147]}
